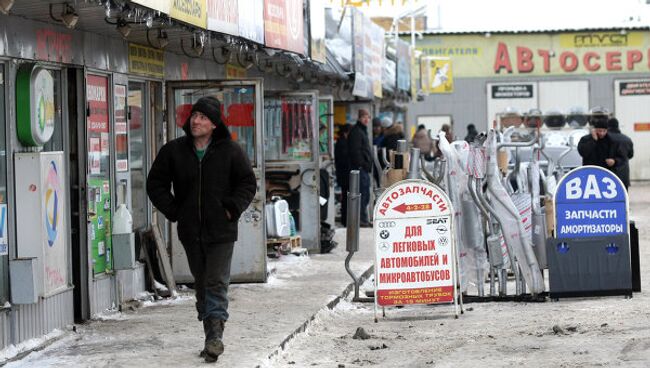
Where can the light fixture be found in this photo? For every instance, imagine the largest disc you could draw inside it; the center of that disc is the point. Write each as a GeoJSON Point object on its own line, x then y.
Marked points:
{"type": "Point", "coordinates": [163, 40]}
{"type": "Point", "coordinates": [123, 27]}
{"type": "Point", "coordinates": [5, 6]}
{"type": "Point", "coordinates": [69, 16]}
{"type": "Point", "coordinates": [198, 45]}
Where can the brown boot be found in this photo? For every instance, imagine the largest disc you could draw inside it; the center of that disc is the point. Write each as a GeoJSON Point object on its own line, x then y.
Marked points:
{"type": "Point", "coordinates": [213, 329]}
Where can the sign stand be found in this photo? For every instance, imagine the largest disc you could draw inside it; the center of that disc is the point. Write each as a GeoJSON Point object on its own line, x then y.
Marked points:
{"type": "Point", "coordinates": [590, 254]}
{"type": "Point", "coordinates": [416, 260]}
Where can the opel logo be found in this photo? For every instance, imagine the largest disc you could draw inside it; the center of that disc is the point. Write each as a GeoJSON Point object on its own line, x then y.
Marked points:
{"type": "Point", "coordinates": [387, 224]}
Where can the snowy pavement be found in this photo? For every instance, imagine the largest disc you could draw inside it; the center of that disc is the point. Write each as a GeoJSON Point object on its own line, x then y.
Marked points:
{"type": "Point", "coordinates": [167, 334]}
{"type": "Point", "coordinates": [586, 332]}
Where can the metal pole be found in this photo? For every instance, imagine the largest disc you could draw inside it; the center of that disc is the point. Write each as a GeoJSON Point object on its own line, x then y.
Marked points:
{"type": "Point", "coordinates": [352, 235]}
{"type": "Point", "coordinates": [414, 164]}
{"type": "Point", "coordinates": [402, 146]}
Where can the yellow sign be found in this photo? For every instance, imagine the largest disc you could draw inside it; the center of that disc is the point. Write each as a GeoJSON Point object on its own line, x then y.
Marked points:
{"type": "Point", "coordinates": [373, 3]}
{"type": "Point", "coordinates": [440, 78]}
{"type": "Point", "coordinates": [514, 55]}
{"type": "Point", "coordinates": [235, 72]}
{"type": "Point", "coordinates": [146, 60]}
{"type": "Point", "coordinates": [193, 12]}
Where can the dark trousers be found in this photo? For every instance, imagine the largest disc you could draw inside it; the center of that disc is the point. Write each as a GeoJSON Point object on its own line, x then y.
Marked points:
{"type": "Point", "coordinates": [364, 188]}
{"type": "Point", "coordinates": [210, 266]}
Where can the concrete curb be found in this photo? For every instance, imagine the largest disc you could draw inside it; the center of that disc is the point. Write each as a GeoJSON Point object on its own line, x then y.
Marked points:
{"type": "Point", "coordinates": [330, 305]}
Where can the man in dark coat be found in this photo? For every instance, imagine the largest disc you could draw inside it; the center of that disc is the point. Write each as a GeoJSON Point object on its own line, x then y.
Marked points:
{"type": "Point", "coordinates": [626, 145]}
{"type": "Point", "coordinates": [361, 159]}
{"type": "Point", "coordinates": [213, 183]}
{"type": "Point", "coordinates": [342, 165]}
{"type": "Point", "coordinates": [599, 148]}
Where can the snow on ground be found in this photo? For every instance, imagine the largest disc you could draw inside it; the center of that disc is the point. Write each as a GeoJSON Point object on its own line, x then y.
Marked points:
{"type": "Point", "coordinates": [585, 332]}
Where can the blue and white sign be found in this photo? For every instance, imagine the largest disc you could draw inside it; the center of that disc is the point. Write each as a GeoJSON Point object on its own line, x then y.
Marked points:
{"type": "Point", "coordinates": [590, 202]}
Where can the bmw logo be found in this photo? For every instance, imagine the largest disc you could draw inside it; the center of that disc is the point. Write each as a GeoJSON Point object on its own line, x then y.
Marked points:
{"type": "Point", "coordinates": [384, 234]}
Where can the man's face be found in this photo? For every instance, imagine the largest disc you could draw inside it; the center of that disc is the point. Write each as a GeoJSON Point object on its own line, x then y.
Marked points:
{"type": "Point", "coordinates": [364, 119]}
{"type": "Point", "coordinates": [201, 126]}
{"type": "Point", "coordinates": [600, 132]}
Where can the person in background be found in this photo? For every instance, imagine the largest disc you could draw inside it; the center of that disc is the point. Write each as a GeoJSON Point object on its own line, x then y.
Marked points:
{"type": "Point", "coordinates": [422, 141]}
{"type": "Point", "coordinates": [392, 133]}
{"type": "Point", "coordinates": [449, 133]}
{"type": "Point", "coordinates": [361, 159]}
{"type": "Point", "coordinates": [213, 183]}
{"type": "Point", "coordinates": [377, 132]}
{"type": "Point", "coordinates": [342, 166]}
{"type": "Point", "coordinates": [599, 148]}
{"type": "Point", "coordinates": [471, 133]}
{"type": "Point", "coordinates": [627, 148]}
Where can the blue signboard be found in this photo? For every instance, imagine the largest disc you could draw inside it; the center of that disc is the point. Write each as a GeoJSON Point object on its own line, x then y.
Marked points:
{"type": "Point", "coordinates": [590, 202]}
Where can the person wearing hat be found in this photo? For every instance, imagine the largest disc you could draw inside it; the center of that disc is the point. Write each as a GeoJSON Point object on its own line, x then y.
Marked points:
{"type": "Point", "coordinates": [598, 148]}
{"type": "Point", "coordinates": [361, 159]}
{"type": "Point", "coordinates": [626, 145]}
{"type": "Point", "coordinates": [213, 183]}
{"type": "Point", "coordinates": [392, 133]}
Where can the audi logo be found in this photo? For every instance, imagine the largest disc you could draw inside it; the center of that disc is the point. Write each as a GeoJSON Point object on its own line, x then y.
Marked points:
{"type": "Point", "coordinates": [387, 224]}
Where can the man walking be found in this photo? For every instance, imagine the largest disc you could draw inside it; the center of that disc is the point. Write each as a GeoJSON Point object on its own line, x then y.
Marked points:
{"type": "Point", "coordinates": [626, 145]}
{"type": "Point", "coordinates": [213, 183]}
{"type": "Point", "coordinates": [361, 159]}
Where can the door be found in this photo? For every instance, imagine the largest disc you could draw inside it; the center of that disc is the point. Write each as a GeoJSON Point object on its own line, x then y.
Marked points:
{"type": "Point", "coordinates": [632, 107]}
{"type": "Point", "coordinates": [520, 97]}
{"type": "Point", "coordinates": [292, 157]}
{"type": "Point", "coordinates": [242, 103]}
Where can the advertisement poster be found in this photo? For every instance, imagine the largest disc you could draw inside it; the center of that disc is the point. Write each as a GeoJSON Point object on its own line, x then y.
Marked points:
{"type": "Point", "coordinates": [251, 20]}
{"type": "Point", "coordinates": [121, 131]}
{"type": "Point", "coordinates": [439, 75]}
{"type": "Point", "coordinates": [403, 65]}
{"type": "Point", "coordinates": [317, 24]}
{"type": "Point", "coordinates": [283, 25]}
{"type": "Point", "coordinates": [97, 124]}
{"type": "Point", "coordinates": [193, 12]}
{"type": "Point", "coordinates": [54, 191]}
{"type": "Point", "coordinates": [415, 248]}
{"type": "Point", "coordinates": [223, 16]}
{"type": "Point", "coordinates": [99, 228]}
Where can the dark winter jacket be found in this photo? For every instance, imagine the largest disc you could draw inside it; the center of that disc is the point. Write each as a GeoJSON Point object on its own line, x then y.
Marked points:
{"type": "Point", "coordinates": [627, 148]}
{"type": "Point", "coordinates": [203, 190]}
{"type": "Point", "coordinates": [596, 152]}
{"type": "Point", "coordinates": [392, 135]}
{"type": "Point", "coordinates": [359, 148]}
{"type": "Point", "coordinates": [342, 162]}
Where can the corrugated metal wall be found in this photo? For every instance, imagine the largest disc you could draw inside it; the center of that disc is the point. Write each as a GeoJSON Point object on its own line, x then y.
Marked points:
{"type": "Point", "coordinates": [35, 320]}
{"type": "Point", "coordinates": [103, 296]}
{"type": "Point", "coordinates": [131, 282]}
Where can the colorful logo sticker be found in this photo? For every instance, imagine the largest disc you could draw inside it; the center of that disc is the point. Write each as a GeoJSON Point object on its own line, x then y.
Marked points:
{"type": "Point", "coordinates": [52, 203]}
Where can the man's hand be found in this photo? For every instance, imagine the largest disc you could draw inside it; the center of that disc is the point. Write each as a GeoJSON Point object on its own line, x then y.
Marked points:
{"type": "Point", "coordinates": [610, 162]}
{"type": "Point", "coordinates": [594, 135]}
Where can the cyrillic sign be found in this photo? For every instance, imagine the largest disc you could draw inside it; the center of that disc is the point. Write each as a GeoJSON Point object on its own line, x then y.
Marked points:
{"type": "Point", "coordinates": [590, 201]}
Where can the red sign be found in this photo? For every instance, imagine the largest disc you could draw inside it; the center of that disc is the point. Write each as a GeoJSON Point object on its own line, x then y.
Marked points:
{"type": "Point", "coordinates": [97, 97]}
{"type": "Point", "coordinates": [641, 127]}
{"type": "Point", "coordinates": [283, 25]}
{"type": "Point", "coordinates": [53, 46]}
{"type": "Point", "coordinates": [415, 254]}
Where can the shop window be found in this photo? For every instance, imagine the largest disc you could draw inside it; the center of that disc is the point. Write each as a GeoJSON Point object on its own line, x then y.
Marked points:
{"type": "Point", "coordinates": [4, 239]}
{"type": "Point", "coordinates": [137, 153]}
{"type": "Point", "coordinates": [237, 112]}
{"type": "Point", "coordinates": [324, 134]}
{"type": "Point", "coordinates": [289, 130]}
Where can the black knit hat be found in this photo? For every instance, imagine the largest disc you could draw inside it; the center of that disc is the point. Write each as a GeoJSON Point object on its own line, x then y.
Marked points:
{"type": "Point", "coordinates": [210, 107]}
